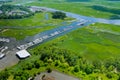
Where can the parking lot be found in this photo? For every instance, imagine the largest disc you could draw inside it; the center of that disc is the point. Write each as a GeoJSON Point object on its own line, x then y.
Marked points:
{"type": "Point", "coordinates": [9, 60]}
{"type": "Point", "coordinates": [7, 47]}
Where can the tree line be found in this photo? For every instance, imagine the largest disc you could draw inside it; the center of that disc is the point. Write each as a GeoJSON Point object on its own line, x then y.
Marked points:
{"type": "Point", "coordinates": [6, 9]}
{"type": "Point", "coordinates": [67, 61]}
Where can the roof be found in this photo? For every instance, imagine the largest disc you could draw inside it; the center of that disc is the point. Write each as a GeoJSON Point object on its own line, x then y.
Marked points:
{"type": "Point", "coordinates": [22, 54]}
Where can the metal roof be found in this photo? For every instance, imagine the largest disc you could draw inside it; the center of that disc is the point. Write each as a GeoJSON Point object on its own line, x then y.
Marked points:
{"type": "Point", "coordinates": [23, 54]}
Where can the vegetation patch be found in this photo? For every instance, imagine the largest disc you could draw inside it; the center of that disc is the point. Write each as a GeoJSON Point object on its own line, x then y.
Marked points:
{"type": "Point", "coordinates": [85, 8]}
{"type": "Point", "coordinates": [116, 12]}
{"type": "Point", "coordinates": [58, 15]}
{"type": "Point", "coordinates": [20, 28]}
{"type": "Point", "coordinates": [84, 53]}
{"type": "Point", "coordinates": [14, 12]}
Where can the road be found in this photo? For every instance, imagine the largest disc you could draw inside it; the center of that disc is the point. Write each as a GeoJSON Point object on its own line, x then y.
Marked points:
{"type": "Point", "coordinates": [11, 58]}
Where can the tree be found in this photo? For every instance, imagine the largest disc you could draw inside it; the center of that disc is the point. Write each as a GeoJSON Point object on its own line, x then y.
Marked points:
{"type": "Point", "coordinates": [58, 15]}
{"type": "Point", "coordinates": [109, 75]}
{"type": "Point", "coordinates": [57, 62]}
{"type": "Point", "coordinates": [21, 75]}
{"type": "Point", "coordinates": [22, 10]}
{"type": "Point", "coordinates": [72, 60]}
{"type": "Point", "coordinates": [111, 68]}
{"type": "Point", "coordinates": [89, 68]}
{"type": "Point", "coordinates": [29, 66]}
{"type": "Point", "coordinates": [118, 76]}
{"type": "Point", "coordinates": [49, 70]}
{"type": "Point", "coordinates": [4, 75]}
{"type": "Point", "coordinates": [45, 55]}
{"type": "Point", "coordinates": [97, 64]}
{"type": "Point", "coordinates": [37, 64]}
{"type": "Point", "coordinates": [76, 68]}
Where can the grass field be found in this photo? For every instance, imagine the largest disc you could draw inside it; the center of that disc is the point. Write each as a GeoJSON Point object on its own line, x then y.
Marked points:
{"type": "Point", "coordinates": [85, 8]}
{"type": "Point", "coordinates": [97, 42]}
{"type": "Point", "coordinates": [89, 43]}
{"type": "Point", "coordinates": [94, 42]}
{"type": "Point", "coordinates": [38, 19]}
{"type": "Point", "coordinates": [20, 28]}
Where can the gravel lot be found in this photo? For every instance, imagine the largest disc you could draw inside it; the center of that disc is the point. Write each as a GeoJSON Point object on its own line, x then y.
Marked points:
{"type": "Point", "coordinates": [57, 75]}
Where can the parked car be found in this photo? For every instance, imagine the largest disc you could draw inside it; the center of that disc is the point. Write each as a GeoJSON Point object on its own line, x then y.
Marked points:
{"type": "Point", "coordinates": [2, 55]}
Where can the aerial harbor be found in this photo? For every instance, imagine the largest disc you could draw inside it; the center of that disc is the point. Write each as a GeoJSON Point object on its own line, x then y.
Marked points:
{"type": "Point", "coordinates": [59, 40]}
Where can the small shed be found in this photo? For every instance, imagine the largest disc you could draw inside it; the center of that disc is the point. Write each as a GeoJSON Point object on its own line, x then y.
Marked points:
{"type": "Point", "coordinates": [23, 54]}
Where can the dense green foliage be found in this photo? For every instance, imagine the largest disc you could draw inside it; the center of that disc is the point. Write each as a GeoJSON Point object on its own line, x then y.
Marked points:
{"type": "Point", "coordinates": [8, 8]}
{"type": "Point", "coordinates": [4, 75]}
{"type": "Point", "coordinates": [83, 53]}
{"type": "Point", "coordinates": [116, 12]}
{"type": "Point", "coordinates": [21, 75]}
{"type": "Point", "coordinates": [58, 15]}
{"type": "Point", "coordinates": [90, 53]}
{"type": "Point", "coordinates": [14, 12]}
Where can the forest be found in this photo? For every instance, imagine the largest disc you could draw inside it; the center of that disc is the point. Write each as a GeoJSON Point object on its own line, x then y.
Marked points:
{"type": "Point", "coordinates": [14, 12]}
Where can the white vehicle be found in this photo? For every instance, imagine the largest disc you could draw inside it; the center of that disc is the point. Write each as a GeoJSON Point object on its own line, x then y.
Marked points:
{"type": "Point", "coordinates": [40, 39]}
{"type": "Point", "coordinates": [82, 23]}
{"type": "Point", "coordinates": [2, 47]}
{"type": "Point", "coordinates": [4, 40]}
{"type": "Point", "coordinates": [36, 41]}
{"type": "Point", "coordinates": [56, 33]}
{"type": "Point", "coordinates": [30, 44]}
{"type": "Point", "coordinates": [2, 55]}
{"type": "Point", "coordinates": [52, 34]}
{"type": "Point", "coordinates": [21, 47]}
{"type": "Point", "coordinates": [18, 47]}
{"type": "Point", "coordinates": [65, 29]}
{"type": "Point", "coordinates": [5, 48]}
{"type": "Point", "coordinates": [45, 37]}
{"type": "Point", "coordinates": [59, 32]}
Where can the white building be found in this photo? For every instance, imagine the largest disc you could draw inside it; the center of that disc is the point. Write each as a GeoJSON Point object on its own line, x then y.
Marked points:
{"type": "Point", "coordinates": [22, 54]}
